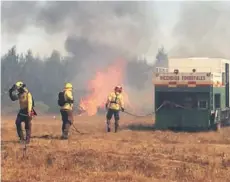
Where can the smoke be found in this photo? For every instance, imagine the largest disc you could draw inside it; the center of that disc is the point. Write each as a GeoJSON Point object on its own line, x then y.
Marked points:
{"type": "Point", "coordinates": [90, 58]}
{"type": "Point", "coordinates": [16, 16]}
{"type": "Point", "coordinates": [97, 33]}
{"type": "Point", "coordinates": [203, 29]}
{"type": "Point", "coordinates": [123, 25]}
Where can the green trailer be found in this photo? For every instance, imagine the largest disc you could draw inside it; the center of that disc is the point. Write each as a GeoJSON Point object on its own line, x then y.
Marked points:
{"type": "Point", "coordinates": [191, 100]}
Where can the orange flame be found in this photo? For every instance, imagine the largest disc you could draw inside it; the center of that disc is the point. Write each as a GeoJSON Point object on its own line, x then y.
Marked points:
{"type": "Point", "coordinates": [103, 83]}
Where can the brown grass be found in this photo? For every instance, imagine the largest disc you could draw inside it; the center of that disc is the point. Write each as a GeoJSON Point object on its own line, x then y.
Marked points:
{"type": "Point", "coordinates": [134, 154]}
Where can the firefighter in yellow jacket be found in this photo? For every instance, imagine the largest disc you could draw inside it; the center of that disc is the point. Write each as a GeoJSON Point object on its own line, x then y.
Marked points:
{"type": "Point", "coordinates": [66, 101]}
{"type": "Point", "coordinates": [26, 112]}
{"type": "Point", "coordinates": [114, 104]}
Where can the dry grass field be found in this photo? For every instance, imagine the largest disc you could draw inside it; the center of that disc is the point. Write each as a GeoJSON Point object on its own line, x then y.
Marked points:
{"type": "Point", "coordinates": [135, 153]}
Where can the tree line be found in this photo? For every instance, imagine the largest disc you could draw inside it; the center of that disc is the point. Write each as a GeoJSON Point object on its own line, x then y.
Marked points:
{"type": "Point", "coordinates": [45, 77]}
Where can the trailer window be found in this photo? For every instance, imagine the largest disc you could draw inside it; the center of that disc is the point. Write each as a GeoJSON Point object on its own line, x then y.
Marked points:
{"type": "Point", "coordinates": [181, 99]}
{"type": "Point", "coordinates": [202, 104]}
{"type": "Point", "coordinates": [189, 102]}
{"type": "Point", "coordinates": [217, 101]}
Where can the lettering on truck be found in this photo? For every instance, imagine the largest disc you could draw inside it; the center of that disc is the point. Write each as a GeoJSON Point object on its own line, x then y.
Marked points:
{"type": "Point", "coordinates": [169, 78]}
{"type": "Point", "coordinates": [193, 78]}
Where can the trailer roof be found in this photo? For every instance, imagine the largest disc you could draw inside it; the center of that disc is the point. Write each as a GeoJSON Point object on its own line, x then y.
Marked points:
{"type": "Point", "coordinates": [201, 64]}
{"type": "Point", "coordinates": [200, 58]}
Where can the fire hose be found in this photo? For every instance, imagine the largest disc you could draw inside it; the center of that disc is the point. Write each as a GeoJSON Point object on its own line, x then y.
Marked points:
{"type": "Point", "coordinates": [75, 129]}
{"type": "Point", "coordinates": [25, 144]}
{"type": "Point", "coordinates": [163, 104]}
{"type": "Point", "coordinates": [146, 114]}
{"type": "Point", "coordinates": [72, 124]}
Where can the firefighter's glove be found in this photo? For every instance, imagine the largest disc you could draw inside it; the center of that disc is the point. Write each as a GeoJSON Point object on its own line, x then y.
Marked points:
{"type": "Point", "coordinates": [106, 105]}
{"type": "Point", "coordinates": [122, 109]}
{"type": "Point", "coordinates": [30, 116]}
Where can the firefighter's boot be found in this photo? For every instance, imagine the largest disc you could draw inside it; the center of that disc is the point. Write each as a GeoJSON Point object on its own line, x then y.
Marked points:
{"type": "Point", "coordinates": [28, 133]}
{"type": "Point", "coordinates": [66, 131]}
{"type": "Point", "coordinates": [63, 129]}
{"type": "Point", "coordinates": [116, 125]}
{"type": "Point", "coordinates": [20, 132]}
{"type": "Point", "coordinates": [108, 125]}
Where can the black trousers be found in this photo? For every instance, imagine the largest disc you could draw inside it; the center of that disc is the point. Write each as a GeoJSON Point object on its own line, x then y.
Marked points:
{"type": "Point", "coordinates": [28, 124]}
{"type": "Point", "coordinates": [67, 120]}
{"type": "Point", "coordinates": [109, 115]}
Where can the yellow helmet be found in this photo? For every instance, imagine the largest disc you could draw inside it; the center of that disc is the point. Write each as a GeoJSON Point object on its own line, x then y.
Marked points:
{"type": "Point", "coordinates": [68, 85]}
{"type": "Point", "coordinates": [118, 89]}
{"type": "Point", "coordinates": [19, 84]}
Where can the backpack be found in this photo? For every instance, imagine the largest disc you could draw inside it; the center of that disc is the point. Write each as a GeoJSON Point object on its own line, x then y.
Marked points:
{"type": "Point", "coordinates": [61, 98]}
{"type": "Point", "coordinates": [13, 94]}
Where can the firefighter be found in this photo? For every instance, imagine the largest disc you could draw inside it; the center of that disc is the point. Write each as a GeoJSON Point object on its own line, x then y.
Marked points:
{"type": "Point", "coordinates": [113, 105]}
{"type": "Point", "coordinates": [66, 101]}
{"type": "Point", "coordinates": [26, 112]}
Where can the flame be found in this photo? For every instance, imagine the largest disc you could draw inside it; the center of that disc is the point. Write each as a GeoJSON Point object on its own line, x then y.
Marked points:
{"type": "Point", "coordinates": [104, 83]}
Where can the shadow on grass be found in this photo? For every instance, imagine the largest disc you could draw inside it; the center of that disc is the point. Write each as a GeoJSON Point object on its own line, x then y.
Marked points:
{"type": "Point", "coordinates": [143, 127]}
{"type": "Point", "coordinates": [187, 130]}
{"type": "Point", "coordinates": [139, 127]}
{"type": "Point", "coordinates": [11, 181]}
{"type": "Point", "coordinates": [226, 124]}
{"type": "Point", "coordinates": [47, 137]}
{"type": "Point", "coordinates": [9, 142]}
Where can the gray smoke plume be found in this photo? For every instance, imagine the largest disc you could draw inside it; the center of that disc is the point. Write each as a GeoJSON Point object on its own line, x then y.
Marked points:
{"type": "Point", "coordinates": [99, 32]}
{"type": "Point", "coordinates": [16, 16]}
{"type": "Point", "coordinates": [203, 29]}
{"type": "Point", "coordinates": [96, 32]}
{"type": "Point", "coordinates": [128, 26]}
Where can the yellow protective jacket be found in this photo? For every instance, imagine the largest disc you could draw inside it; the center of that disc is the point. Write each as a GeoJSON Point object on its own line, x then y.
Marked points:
{"type": "Point", "coordinates": [115, 101]}
{"type": "Point", "coordinates": [26, 101]}
{"type": "Point", "coordinates": [68, 96]}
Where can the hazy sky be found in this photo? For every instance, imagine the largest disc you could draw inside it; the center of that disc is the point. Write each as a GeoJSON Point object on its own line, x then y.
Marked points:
{"type": "Point", "coordinates": [200, 29]}
{"type": "Point", "coordinates": [40, 42]}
